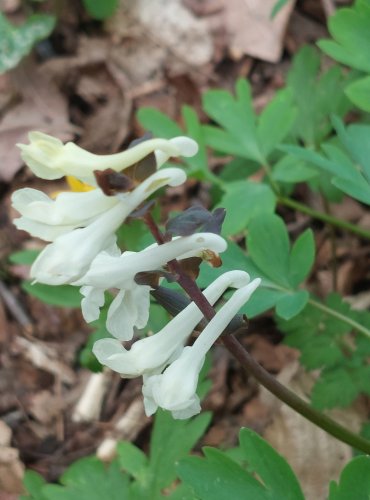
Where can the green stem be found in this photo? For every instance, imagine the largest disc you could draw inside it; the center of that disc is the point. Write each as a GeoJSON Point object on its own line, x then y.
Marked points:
{"type": "Point", "coordinates": [292, 400]}
{"type": "Point", "coordinates": [274, 185]}
{"type": "Point", "coordinates": [329, 219]}
{"type": "Point", "coordinates": [342, 317]}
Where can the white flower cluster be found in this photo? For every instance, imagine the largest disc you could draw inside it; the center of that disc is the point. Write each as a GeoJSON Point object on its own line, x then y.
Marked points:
{"type": "Point", "coordinates": [81, 226]}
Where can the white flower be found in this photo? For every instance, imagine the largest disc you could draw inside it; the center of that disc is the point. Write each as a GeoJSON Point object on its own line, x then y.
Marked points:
{"type": "Point", "coordinates": [49, 158]}
{"type": "Point", "coordinates": [131, 306]}
{"type": "Point", "coordinates": [76, 241]}
{"type": "Point", "coordinates": [153, 353]}
{"type": "Point", "coordinates": [47, 219]}
{"type": "Point", "coordinates": [175, 388]}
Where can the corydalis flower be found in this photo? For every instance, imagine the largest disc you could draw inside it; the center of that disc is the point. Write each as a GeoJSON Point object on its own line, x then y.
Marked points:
{"type": "Point", "coordinates": [49, 158]}
{"type": "Point", "coordinates": [175, 388]}
{"type": "Point", "coordinates": [80, 225]}
{"type": "Point", "coordinates": [151, 354]}
{"type": "Point", "coordinates": [130, 308]}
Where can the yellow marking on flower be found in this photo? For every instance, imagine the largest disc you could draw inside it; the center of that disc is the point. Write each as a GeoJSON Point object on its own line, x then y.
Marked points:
{"type": "Point", "coordinates": [77, 185]}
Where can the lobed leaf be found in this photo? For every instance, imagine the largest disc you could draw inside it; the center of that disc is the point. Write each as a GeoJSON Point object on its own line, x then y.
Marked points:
{"type": "Point", "coordinates": [17, 41]}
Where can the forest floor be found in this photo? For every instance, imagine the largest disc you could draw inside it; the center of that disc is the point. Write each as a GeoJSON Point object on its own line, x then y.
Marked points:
{"type": "Point", "coordinates": [85, 83]}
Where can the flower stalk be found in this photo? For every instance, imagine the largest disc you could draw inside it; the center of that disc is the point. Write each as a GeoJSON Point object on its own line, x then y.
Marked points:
{"type": "Point", "coordinates": [252, 367]}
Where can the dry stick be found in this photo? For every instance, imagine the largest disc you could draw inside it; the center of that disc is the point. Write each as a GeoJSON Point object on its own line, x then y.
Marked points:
{"type": "Point", "coordinates": [254, 368]}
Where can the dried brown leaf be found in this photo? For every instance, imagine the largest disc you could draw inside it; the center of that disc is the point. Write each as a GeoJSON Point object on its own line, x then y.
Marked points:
{"type": "Point", "coordinates": [253, 32]}
{"type": "Point", "coordinates": [42, 107]}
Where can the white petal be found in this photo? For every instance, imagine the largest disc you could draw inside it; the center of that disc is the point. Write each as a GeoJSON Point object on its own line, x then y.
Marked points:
{"type": "Point", "coordinates": [48, 158]}
{"type": "Point", "coordinates": [152, 354]}
{"type": "Point", "coordinates": [68, 257]}
{"type": "Point", "coordinates": [79, 247]}
{"type": "Point", "coordinates": [41, 230]}
{"type": "Point", "coordinates": [223, 317]}
{"type": "Point", "coordinates": [91, 303]}
{"type": "Point", "coordinates": [175, 388]}
{"type": "Point", "coordinates": [123, 313]}
{"type": "Point", "coordinates": [184, 145]}
{"type": "Point", "coordinates": [67, 209]}
{"type": "Point", "coordinates": [113, 272]}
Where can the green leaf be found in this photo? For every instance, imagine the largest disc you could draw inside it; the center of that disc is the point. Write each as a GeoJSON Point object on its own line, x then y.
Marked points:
{"type": "Point", "coordinates": [62, 296]}
{"type": "Point", "coordinates": [262, 300]}
{"type": "Point", "coordinates": [17, 41]}
{"type": "Point", "coordinates": [302, 257]}
{"type": "Point", "coordinates": [171, 440]}
{"type": "Point", "coordinates": [132, 459]}
{"type": "Point", "coordinates": [270, 260]}
{"type": "Point", "coordinates": [33, 483]}
{"type": "Point", "coordinates": [311, 93]}
{"type": "Point", "coordinates": [277, 7]}
{"type": "Point", "coordinates": [275, 121]}
{"type": "Point", "coordinates": [199, 163]}
{"type": "Point", "coordinates": [243, 201]}
{"type": "Point", "coordinates": [101, 9]}
{"type": "Point", "coordinates": [24, 257]}
{"type": "Point", "coordinates": [301, 79]}
{"type": "Point", "coordinates": [268, 245]}
{"type": "Point", "coordinates": [359, 191]}
{"type": "Point", "coordinates": [359, 93]}
{"type": "Point", "coordinates": [238, 169]}
{"type": "Point", "coordinates": [342, 170]}
{"type": "Point", "coordinates": [335, 388]}
{"type": "Point", "coordinates": [354, 481]}
{"type": "Point", "coordinates": [236, 116]}
{"type": "Point", "coordinates": [233, 258]}
{"type": "Point", "coordinates": [218, 477]}
{"type": "Point", "coordinates": [350, 29]}
{"type": "Point", "coordinates": [275, 473]}
{"type": "Point", "coordinates": [89, 479]}
{"type": "Point", "coordinates": [355, 140]}
{"type": "Point", "coordinates": [162, 126]}
{"type": "Point", "coordinates": [134, 236]}
{"type": "Point", "coordinates": [291, 170]}
{"type": "Point", "coordinates": [158, 123]}
{"type": "Point", "coordinates": [292, 304]}
{"type": "Point", "coordinates": [240, 135]}
{"type": "Point", "coordinates": [326, 342]}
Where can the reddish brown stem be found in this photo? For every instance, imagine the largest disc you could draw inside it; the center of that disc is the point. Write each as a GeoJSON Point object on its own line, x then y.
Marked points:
{"type": "Point", "coordinates": [251, 365]}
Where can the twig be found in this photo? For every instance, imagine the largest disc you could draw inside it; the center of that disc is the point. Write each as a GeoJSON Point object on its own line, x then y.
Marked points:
{"type": "Point", "coordinates": [89, 406]}
{"type": "Point", "coordinates": [329, 7]}
{"type": "Point", "coordinates": [44, 357]}
{"type": "Point", "coordinates": [16, 309]}
{"type": "Point", "coordinates": [127, 428]}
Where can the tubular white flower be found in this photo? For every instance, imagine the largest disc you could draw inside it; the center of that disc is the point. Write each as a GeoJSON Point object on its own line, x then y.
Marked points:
{"type": "Point", "coordinates": [49, 158]}
{"type": "Point", "coordinates": [131, 306]}
{"type": "Point", "coordinates": [47, 219]}
{"type": "Point", "coordinates": [153, 353]}
{"type": "Point", "coordinates": [72, 251]}
{"type": "Point", "coordinates": [175, 388]}
{"type": "Point", "coordinates": [112, 272]}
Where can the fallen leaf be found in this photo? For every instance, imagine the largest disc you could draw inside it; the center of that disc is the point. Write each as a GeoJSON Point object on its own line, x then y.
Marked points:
{"type": "Point", "coordinates": [253, 32]}
{"type": "Point", "coordinates": [315, 456]}
{"type": "Point", "coordinates": [11, 470]}
{"type": "Point", "coordinates": [152, 35]}
{"type": "Point", "coordinates": [42, 107]}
